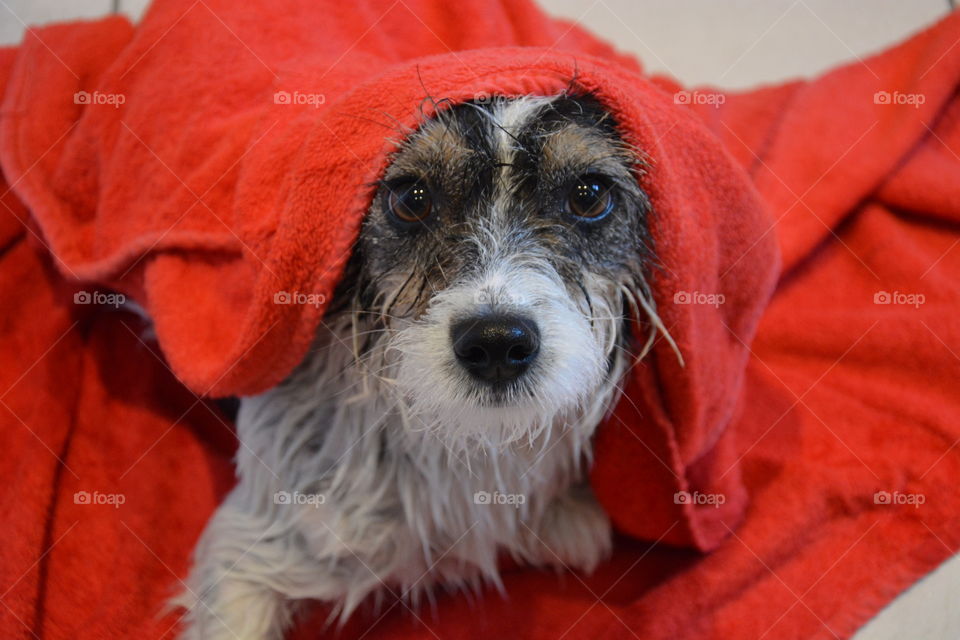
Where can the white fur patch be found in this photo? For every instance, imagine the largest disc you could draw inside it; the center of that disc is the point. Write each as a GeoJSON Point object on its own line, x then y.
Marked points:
{"type": "Point", "coordinates": [442, 396]}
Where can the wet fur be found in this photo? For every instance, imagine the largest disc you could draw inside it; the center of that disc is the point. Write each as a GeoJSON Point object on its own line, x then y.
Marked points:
{"type": "Point", "coordinates": [397, 439]}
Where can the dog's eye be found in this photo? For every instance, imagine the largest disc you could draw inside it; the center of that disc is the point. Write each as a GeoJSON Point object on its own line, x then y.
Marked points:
{"type": "Point", "coordinates": [409, 201]}
{"type": "Point", "coordinates": [590, 198]}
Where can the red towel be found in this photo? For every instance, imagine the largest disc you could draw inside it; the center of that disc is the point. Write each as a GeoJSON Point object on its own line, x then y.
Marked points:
{"type": "Point", "coordinates": [797, 473]}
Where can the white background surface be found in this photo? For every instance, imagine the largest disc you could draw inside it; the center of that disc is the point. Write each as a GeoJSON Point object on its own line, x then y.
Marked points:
{"type": "Point", "coordinates": [729, 43]}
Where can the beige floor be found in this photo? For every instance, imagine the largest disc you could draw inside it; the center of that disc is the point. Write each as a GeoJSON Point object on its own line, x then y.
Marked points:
{"type": "Point", "coordinates": [729, 43]}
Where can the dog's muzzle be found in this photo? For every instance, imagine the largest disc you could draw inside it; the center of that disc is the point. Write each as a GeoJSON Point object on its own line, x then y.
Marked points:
{"type": "Point", "coordinates": [495, 348]}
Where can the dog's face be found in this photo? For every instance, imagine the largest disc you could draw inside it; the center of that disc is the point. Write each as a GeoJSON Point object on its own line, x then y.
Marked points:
{"type": "Point", "coordinates": [498, 266]}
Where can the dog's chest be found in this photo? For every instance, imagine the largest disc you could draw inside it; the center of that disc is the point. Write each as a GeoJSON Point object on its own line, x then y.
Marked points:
{"type": "Point", "coordinates": [366, 490]}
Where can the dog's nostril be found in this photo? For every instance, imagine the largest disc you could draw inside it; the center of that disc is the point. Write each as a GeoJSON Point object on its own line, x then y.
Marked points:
{"type": "Point", "coordinates": [495, 348]}
{"type": "Point", "coordinates": [474, 355]}
{"type": "Point", "coordinates": [518, 352]}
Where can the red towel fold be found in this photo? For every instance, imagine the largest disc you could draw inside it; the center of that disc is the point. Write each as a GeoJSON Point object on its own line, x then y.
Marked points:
{"type": "Point", "coordinates": [221, 154]}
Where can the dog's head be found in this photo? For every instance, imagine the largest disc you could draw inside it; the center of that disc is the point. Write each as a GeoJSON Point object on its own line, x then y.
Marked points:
{"type": "Point", "coordinates": [497, 271]}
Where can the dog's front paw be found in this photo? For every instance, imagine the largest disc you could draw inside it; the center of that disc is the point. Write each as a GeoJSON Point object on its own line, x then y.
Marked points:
{"type": "Point", "coordinates": [232, 610]}
{"type": "Point", "coordinates": [574, 532]}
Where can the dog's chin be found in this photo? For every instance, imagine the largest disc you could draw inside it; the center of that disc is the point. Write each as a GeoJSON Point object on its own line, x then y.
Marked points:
{"type": "Point", "coordinates": [494, 419]}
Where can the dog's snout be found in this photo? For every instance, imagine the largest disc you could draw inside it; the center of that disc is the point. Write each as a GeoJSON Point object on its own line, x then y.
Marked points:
{"type": "Point", "coordinates": [496, 348]}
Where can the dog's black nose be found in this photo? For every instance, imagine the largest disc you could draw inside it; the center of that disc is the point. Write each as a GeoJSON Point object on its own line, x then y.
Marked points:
{"type": "Point", "coordinates": [496, 348]}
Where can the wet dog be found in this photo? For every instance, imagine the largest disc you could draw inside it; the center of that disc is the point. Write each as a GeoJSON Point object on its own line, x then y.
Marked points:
{"type": "Point", "coordinates": [495, 297]}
